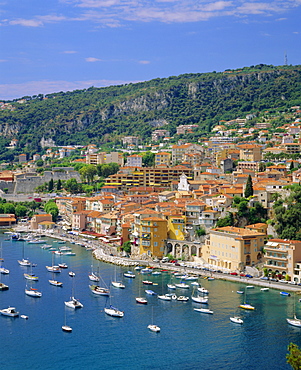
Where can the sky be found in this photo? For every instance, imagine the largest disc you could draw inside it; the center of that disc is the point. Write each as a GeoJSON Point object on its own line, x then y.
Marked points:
{"type": "Point", "coordinates": [47, 46]}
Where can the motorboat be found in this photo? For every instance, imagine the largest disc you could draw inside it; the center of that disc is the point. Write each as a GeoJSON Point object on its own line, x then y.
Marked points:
{"type": "Point", "coordinates": [25, 317]}
{"type": "Point", "coordinates": [32, 292]}
{"type": "Point", "coordinates": [69, 254]}
{"type": "Point", "coordinates": [24, 262]}
{"type": "Point", "coordinates": [240, 292]}
{"type": "Point", "coordinates": [3, 286]}
{"type": "Point", "coordinates": [147, 282]}
{"type": "Point", "coordinates": [236, 320]}
{"type": "Point", "coordinates": [63, 265]}
{"type": "Point", "coordinates": [10, 311]}
{"type": "Point", "coordinates": [195, 283]}
{"type": "Point", "coordinates": [164, 297]}
{"type": "Point", "coordinates": [74, 303]}
{"type": "Point", "coordinates": [146, 271]}
{"type": "Point", "coordinates": [129, 274]}
{"type": "Point", "coordinates": [182, 286]}
{"type": "Point", "coordinates": [156, 273]}
{"type": "Point", "coordinates": [36, 241]}
{"type": "Point", "coordinates": [250, 286]}
{"type": "Point", "coordinates": [150, 292]}
{"type": "Point", "coordinates": [46, 246]}
{"type": "Point", "coordinates": [99, 290]}
{"type": "Point", "coordinates": [55, 283]}
{"type": "Point", "coordinates": [202, 290]}
{"type": "Point", "coordinates": [141, 300]}
{"type": "Point", "coordinates": [204, 310]}
{"type": "Point", "coordinates": [54, 269]}
{"type": "Point", "coordinates": [294, 321]}
{"type": "Point", "coordinates": [154, 328]}
{"type": "Point", "coordinates": [182, 298]}
{"type": "Point", "coordinates": [4, 271]}
{"type": "Point", "coordinates": [286, 294]}
{"type": "Point", "coordinates": [112, 311]}
{"type": "Point", "coordinates": [71, 273]}
{"type": "Point", "coordinates": [264, 289]}
{"type": "Point", "coordinates": [118, 284]}
{"type": "Point", "coordinates": [67, 328]}
{"type": "Point", "coordinates": [171, 286]}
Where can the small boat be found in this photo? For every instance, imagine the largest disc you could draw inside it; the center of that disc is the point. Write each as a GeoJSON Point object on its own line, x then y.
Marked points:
{"type": "Point", "coordinates": [10, 311]}
{"type": "Point", "coordinates": [171, 286]}
{"type": "Point", "coordinates": [190, 277]}
{"type": "Point", "coordinates": [4, 271]}
{"type": "Point", "coordinates": [141, 300]}
{"type": "Point", "coordinates": [247, 306]}
{"type": "Point", "coordinates": [67, 328]}
{"type": "Point", "coordinates": [286, 294]}
{"type": "Point", "coordinates": [25, 317]}
{"type": "Point", "coordinates": [99, 290]}
{"type": "Point", "coordinates": [195, 283]}
{"type": "Point", "coordinates": [63, 265]}
{"type": "Point", "coordinates": [3, 286]}
{"type": "Point", "coordinates": [156, 273]}
{"type": "Point", "coordinates": [202, 290]}
{"type": "Point", "coordinates": [164, 297]}
{"type": "Point", "coordinates": [112, 311]}
{"type": "Point", "coordinates": [199, 300]}
{"type": "Point", "coordinates": [59, 253]}
{"type": "Point", "coordinates": [36, 241]}
{"type": "Point", "coordinates": [154, 328]}
{"type": "Point", "coordinates": [118, 284]}
{"type": "Point", "coordinates": [65, 249]}
{"type": "Point", "coordinates": [250, 286]}
{"type": "Point", "coordinates": [55, 283]}
{"type": "Point", "coordinates": [46, 246]}
{"type": "Point", "coordinates": [24, 262]}
{"type": "Point", "coordinates": [129, 274]}
{"type": "Point", "coordinates": [137, 268]}
{"type": "Point", "coordinates": [294, 321]}
{"type": "Point", "coordinates": [93, 277]}
{"type": "Point", "coordinates": [71, 273]}
{"type": "Point", "coordinates": [236, 320]}
{"type": "Point", "coordinates": [147, 282]}
{"type": "Point", "coordinates": [146, 271]}
{"type": "Point", "coordinates": [69, 254]}
{"type": "Point", "coordinates": [240, 292]}
{"type": "Point", "coordinates": [150, 292]}
{"type": "Point", "coordinates": [74, 303]}
{"type": "Point", "coordinates": [182, 298]}
{"type": "Point", "coordinates": [210, 278]}
{"type": "Point", "coordinates": [264, 289]}
{"type": "Point", "coordinates": [31, 277]}
{"type": "Point", "coordinates": [32, 292]}
{"type": "Point", "coordinates": [182, 286]}
{"type": "Point", "coordinates": [55, 269]}
{"type": "Point", "coordinates": [204, 310]}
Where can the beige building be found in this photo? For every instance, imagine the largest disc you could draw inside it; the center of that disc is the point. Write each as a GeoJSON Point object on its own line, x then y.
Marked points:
{"type": "Point", "coordinates": [233, 248]}
{"type": "Point", "coordinates": [37, 219]}
{"type": "Point", "coordinates": [249, 152]}
{"type": "Point", "coordinates": [282, 257]}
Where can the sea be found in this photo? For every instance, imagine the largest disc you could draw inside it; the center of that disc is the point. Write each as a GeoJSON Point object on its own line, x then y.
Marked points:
{"type": "Point", "coordinates": [188, 339]}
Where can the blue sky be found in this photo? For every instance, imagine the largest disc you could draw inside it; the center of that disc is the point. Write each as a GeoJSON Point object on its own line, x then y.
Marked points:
{"type": "Point", "coordinates": [63, 45]}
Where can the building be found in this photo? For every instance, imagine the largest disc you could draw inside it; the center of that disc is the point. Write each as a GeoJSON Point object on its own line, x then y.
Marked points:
{"type": "Point", "coordinates": [134, 160]}
{"type": "Point", "coordinates": [102, 158]}
{"type": "Point", "coordinates": [130, 140]}
{"type": "Point", "coordinates": [162, 159]}
{"type": "Point", "coordinates": [157, 134]}
{"type": "Point", "coordinates": [152, 236]}
{"type": "Point", "coordinates": [233, 248]}
{"type": "Point", "coordinates": [282, 257]}
{"type": "Point", "coordinates": [249, 152]}
{"type": "Point", "coordinates": [37, 219]}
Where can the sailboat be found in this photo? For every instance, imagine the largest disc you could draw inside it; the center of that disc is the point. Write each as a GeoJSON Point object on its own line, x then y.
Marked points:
{"type": "Point", "coordinates": [24, 261]}
{"type": "Point", "coordinates": [246, 305]}
{"type": "Point", "coordinates": [198, 299]}
{"type": "Point", "coordinates": [73, 303]}
{"type": "Point", "coordinates": [93, 276]}
{"type": "Point", "coordinates": [31, 276]}
{"type": "Point", "coordinates": [152, 326]}
{"type": "Point", "coordinates": [66, 327]}
{"type": "Point", "coordinates": [113, 311]}
{"type": "Point", "coordinates": [117, 284]}
{"type": "Point", "coordinates": [53, 268]}
{"type": "Point", "coordinates": [140, 299]}
{"type": "Point", "coordinates": [3, 270]}
{"type": "Point", "coordinates": [295, 321]}
{"type": "Point", "coordinates": [32, 292]}
{"type": "Point", "coordinates": [55, 282]}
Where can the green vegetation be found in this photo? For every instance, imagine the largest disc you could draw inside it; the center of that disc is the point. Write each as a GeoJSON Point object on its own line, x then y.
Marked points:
{"type": "Point", "coordinates": [287, 214]}
{"type": "Point", "coordinates": [51, 208]}
{"type": "Point", "coordinates": [127, 246]}
{"type": "Point", "coordinates": [249, 187]}
{"type": "Point", "coordinates": [294, 356]}
{"type": "Point", "coordinates": [104, 115]}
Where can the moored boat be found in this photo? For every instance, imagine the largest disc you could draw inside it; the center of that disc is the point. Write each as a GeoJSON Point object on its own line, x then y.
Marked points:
{"type": "Point", "coordinates": [10, 311]}
{"type": "Point", "coordinates": [141, 300]}
{"type": "Point", "coordinates": [74, 303]}
{"type": "Point", "coordinates": [204, 310]}
{"type": "Point", "coordinates": [154, 328]}
{"type": "Point", "coordinates": [114, 312]}
{"type": "Point", "coordinates": [32, 292]}
{"type": "Point", "coordinates": [236, 320]}
{"type": "Point", "coordinates": [99, 290]}
{"type": "Point", "coordinates": [55, 283]}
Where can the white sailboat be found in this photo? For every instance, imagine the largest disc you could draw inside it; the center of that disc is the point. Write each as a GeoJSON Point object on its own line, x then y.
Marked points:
{"type": "Point", "coordinates": [198, 299]}
{"type": "Point", "coordinates": [152, 326]}
{"type": "Point", "coordinates": [93, 276]}
{"type": "Point", "coordinates": [53, 268]}
{"type": "Point", "coordinates": [66, 327]}
{"type": "Point", "coordinates": [117, 284]}
{"type": "Point", "coordinates": [31, 276]}
{"type": "Point", "coordinates": [24, 261]}
{"type": "Point", "coordinates": [113, 311]}
{"type": "Point", "coordinates": [32, 292]}
{"type": "Point", "coordinates": [295, 321]}
{"type": "Point", "coordinates": [3, 270]}
{"type": "Point", "coordinates": [245, 305]}
{"type": "Point", "coordinates": [73, 303]}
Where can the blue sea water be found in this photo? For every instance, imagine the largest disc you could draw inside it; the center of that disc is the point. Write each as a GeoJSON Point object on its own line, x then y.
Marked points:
{"type": "Point", "coordinates": [188, 339]}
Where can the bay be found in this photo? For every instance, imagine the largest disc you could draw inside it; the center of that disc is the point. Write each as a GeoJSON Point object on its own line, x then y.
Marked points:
{"type": "Point", "coordinates": [188, 339]}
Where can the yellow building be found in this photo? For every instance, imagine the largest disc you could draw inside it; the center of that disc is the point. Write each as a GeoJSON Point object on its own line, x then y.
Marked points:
{"type": "Point", "coordinates": [176, 224]}
{"type": "Point", "coordinates": [233, 248]}
{"type": "Point", "coordinates": [162, 158]}
{"type": "Point", "coordinates": [249, 152]}
{"type": "Point", "coordinates": [152, 236]}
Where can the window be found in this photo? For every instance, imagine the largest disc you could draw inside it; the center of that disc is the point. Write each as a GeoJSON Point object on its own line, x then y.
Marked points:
{"type": "Point", "coordinates": [155, 244]}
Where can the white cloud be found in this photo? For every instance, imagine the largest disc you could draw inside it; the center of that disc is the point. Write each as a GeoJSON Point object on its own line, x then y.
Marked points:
{"type": "Point", "coordinates": [92, 60]}
{"type": "Point", "coordinates": [69, 52]}
{"type": "Point", "coordinates": [144, 62]}
{"type": "Point", "coordinates": [26, 22]}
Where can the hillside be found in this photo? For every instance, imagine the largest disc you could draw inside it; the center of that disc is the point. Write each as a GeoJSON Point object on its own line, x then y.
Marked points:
{"type": "Point", "coordinates": [99, 115]}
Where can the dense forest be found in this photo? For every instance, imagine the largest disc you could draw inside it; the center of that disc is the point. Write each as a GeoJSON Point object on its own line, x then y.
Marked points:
{"type": "Point", "coordinates": [102, 115]}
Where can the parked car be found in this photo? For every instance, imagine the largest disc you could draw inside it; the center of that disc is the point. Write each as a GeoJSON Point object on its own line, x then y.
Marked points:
{"type": "Point", "coordinates": [248, 276]}
{"type": "Point", "coordinates": [242, 274]}
{"type": "Point", "coordinates": [264, 278]}
{"type": "Point", "coordinates": [234, 273]}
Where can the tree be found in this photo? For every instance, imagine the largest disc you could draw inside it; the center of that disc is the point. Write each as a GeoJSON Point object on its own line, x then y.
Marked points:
{"type": "Point", "coordinates": [73, 186]}
{"type": "Point", "coordinates": [200, 231]}
{"type": "Point", "coordinates": [50, 185]}
{"type": "Point", "coordinates": [249, 187]}
{"type": "Point", "coordinates": [20, 210]}
{"type": "Point", "coordinates": [59, 184]}
{"type": "Point", "coordinates": [127, 246]}
{"type": "Point", "coordinates": [148, 159]}
{"type": "Point", "coordinates": [40, 163]}
{"type": "Point", "coordinates": [52, 208]}
{"type": "Point", "coordinates": [294, 356]}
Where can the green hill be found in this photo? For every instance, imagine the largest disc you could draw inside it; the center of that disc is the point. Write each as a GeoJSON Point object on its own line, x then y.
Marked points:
{"type": "Point", "coordinates": [100, 115]}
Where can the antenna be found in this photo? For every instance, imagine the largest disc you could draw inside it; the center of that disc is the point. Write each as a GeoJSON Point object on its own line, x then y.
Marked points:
{"type": "Point", "coordinates": [285, 58]}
